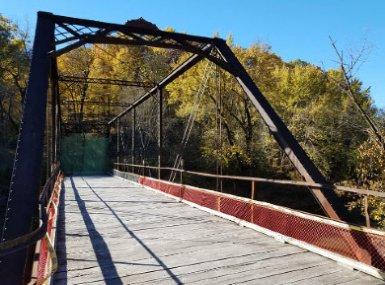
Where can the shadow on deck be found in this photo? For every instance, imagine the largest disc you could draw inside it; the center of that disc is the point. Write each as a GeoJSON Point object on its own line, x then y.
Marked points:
{"type": "Point", "coordinates": [113, 231]}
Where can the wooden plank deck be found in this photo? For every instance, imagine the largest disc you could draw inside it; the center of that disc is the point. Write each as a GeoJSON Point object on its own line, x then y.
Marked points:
{"type": "Point", "coordinates": [111, 231]}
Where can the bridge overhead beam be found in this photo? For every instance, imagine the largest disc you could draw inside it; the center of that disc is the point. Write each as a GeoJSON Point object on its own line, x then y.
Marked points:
{"type": "Point", "coordinates": [77, 32]}
{"type": "Point", "coordinates": [326, 197]}
{"type": "Point", "coordinates": [129, 30]}
{"type": "Point", "coordinates": [104, 81]}
{"type": "Point", "coordinates": [185, 47]}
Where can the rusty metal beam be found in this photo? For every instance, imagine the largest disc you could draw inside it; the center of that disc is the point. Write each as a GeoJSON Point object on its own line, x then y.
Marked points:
{"type": "Point", "coordinates": [127, 29]}
{"type": "Point", "coordinates": [326, 197]}
{"type": "Point", "coordinates": [104, 81]}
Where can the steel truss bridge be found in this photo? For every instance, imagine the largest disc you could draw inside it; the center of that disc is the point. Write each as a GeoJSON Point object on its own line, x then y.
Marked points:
{"type": "Point", "coordinates": [132, 227]}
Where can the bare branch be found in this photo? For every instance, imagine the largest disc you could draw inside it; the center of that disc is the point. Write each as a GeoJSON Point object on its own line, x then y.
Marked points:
{"type": "Point", "coordinates": [347, 88]}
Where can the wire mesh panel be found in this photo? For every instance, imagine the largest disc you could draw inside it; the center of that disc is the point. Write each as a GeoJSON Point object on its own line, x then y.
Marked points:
{"type": "Point", "coordinates": [361, 244]}
{"type": "Point", "coordinates": [47, 262]}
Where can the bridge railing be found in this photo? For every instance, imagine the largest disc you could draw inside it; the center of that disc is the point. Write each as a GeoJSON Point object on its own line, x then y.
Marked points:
{"type": "Point", "coordinates": [42, 237]}
{"type": "Point", "coordinates": [145, 170]}
{"type": "Point", "coordinates": [360, 247]}
{"type": "Point", "coordinates": [252, 180]}
{"type": "Point", "coordinates": [46, 265]}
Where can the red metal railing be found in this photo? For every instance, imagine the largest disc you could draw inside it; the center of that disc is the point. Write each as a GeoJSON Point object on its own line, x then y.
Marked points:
{"type": "Point", "coordinates": [354, 242]}
{"type": "Point", "coordinates": [47, 262]}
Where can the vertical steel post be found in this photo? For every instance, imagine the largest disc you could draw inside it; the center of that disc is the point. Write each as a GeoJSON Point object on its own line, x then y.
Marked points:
{"type": "Point", "coordinates": [366, 211]}
{"type": "Point", "coordinates": [220, 126]}
{"type": "Point", "coordinates": [53, 116]}
{"type": "Point", "coordinates": [133, 139]}
{"type": "Point", "coordinates": [182, 170]}
{"type": "Point", "coordinates": [47, 148]}
{"type": "Point", "coordinates": [22, 207]}
{"type": "Point", "coordinates": [59, 121]}
{"type": "Point", "coordinates": [252, 197]}
{"type": "Point", "coordinates": [117, 140]}
{"type": "Point", "coordinates": [218, 116]}
{"type": "Point", "coordinates": [160, 131]}
{"type": "Point", "coordinates": [54, 109]}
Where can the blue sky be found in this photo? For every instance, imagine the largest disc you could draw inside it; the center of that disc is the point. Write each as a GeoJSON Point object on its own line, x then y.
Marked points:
{"type": "Point", "coordinates": [294, 28]}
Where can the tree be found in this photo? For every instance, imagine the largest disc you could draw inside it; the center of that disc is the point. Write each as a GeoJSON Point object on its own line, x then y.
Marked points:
{"type": "Point", "coordinates": [240, 144]}
{"type": "Point", "coordinates": [370, 175]}
{"type": "Point", "coordinates": [14, 64]}
{"type": "Point", "coordinates": [75, 63]}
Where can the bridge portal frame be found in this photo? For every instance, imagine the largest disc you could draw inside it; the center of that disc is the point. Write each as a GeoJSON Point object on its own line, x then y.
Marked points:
{"type": "Point", "coordinates": [56, 35]}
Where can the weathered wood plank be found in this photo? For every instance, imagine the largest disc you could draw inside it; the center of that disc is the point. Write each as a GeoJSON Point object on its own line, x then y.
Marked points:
{"type": "Point", "coordinates": [114, 231]}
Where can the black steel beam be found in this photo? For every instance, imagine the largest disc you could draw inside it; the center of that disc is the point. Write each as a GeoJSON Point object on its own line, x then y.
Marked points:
{"type": "Point", "coordinates": [137, 36]}
{"type": "Point", "coordinates": [82, 40]}
{"type": "Point", "coordinates": [122, 41]}
{"type": "Point", "coordinates": [327, 198]}
{"type": "Point", "coordinates": [127, 29]}
{"type": "Point", "coordinates": [104, 81]}
{"type": "Point", "coordinates": [191, 61]}
{"type": "Point", "coordinates": [72, 32]}
{"type": "Point", "coordinates": [133, 127]}
{"type": "Point", "coordinates": [68, 48]}
{"type": "Point", "coordinates": [54, 108]}
{"type": "Point", "coordinates": [94, 102]}
{"type": "Point", "coordinates": [160, 131]}
{"type": "Point", "coordinates": [102, 39]}
{"type": "Point", "coordinates": [117, 139]}
{"type": "Point", "coordinates": [22, 207]}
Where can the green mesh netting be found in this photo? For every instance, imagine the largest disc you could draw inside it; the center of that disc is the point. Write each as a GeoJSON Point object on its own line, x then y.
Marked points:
{"type": "Point", "coordinates": [85, 154]}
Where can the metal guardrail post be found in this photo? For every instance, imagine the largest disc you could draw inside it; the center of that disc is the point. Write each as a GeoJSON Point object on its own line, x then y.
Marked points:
{"type": "Point", "coordinates": [182, 170]}
{"type": "Point", "coordinates": [160, 131]}
{"type": "Point", "coordinates": [133, 139]}
{"type": "Point", "coordinates": [117, 139]}
{"type": "Point", "coordinates": [366, 211]}
{"type": "Point", "coordinates": [252, 190]}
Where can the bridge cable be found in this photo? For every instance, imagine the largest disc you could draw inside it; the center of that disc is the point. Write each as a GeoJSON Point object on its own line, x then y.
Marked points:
{"type": "Point", "coordinates": [219, 169]}
{"type": "Point", "coordinates": [191, 120]}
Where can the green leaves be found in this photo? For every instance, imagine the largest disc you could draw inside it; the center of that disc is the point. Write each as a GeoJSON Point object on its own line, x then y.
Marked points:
{"type": "Point", "coordinates": [14, 65]}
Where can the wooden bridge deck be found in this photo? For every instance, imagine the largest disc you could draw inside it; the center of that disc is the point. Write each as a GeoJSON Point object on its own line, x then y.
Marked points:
{"type": "Point", "coordinates": [113, 231]}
